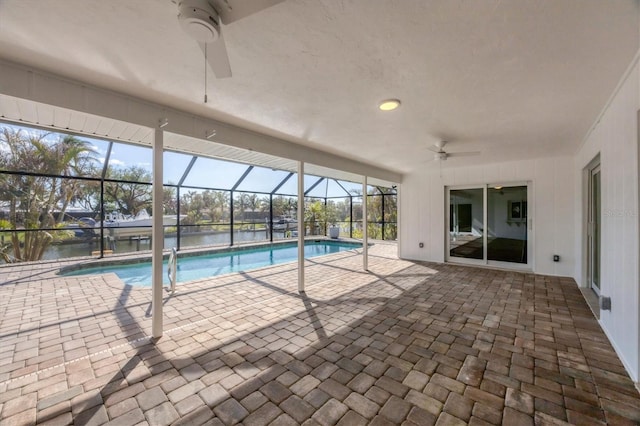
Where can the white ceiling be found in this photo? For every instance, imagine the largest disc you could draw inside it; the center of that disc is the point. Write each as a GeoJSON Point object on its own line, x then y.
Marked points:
{"type": "Point", "coordinates": [512, 79]}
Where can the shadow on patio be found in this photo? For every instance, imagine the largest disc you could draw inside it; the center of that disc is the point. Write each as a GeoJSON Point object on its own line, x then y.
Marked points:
{"type": "Point", "coordinates": [408, 342]}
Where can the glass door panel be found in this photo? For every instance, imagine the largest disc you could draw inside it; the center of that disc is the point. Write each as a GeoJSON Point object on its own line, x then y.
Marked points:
{"type": "Point", "coordinates": [507, 224]}
{"type": "Point", "coordinates": [466, 223]}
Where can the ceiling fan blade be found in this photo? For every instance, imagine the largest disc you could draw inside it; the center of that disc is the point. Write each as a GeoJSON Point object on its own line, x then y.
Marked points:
{"type": "Point", "coordinates": [435, 149]}
{"type": "Point", "coordinates": [463, 154]}
{"type": "Point", "coordinates": [232, 10]}
{"type": "Point", "coordinates": [217, 58]}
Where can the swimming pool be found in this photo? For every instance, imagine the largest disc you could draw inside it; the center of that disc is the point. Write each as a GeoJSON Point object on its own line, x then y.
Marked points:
{"type": "Point", "coordinates": [193, 267]}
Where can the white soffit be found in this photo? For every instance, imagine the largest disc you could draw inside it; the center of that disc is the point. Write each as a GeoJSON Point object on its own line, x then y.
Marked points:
{"type": "Point", "coordinates": [209, 148]}
{"type": "Point", "coordinates": [30, 113]}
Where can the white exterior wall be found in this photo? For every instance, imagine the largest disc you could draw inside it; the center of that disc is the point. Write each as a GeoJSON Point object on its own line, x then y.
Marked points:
{"type": "Point", "coordinates": [423, 209]}
{"type": "Point", "coordinates": [615, 138]}
{"type": "Point", "coordinates": [557, 208]}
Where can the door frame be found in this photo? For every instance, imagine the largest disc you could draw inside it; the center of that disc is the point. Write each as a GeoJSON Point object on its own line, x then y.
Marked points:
{"type": "Point", "coordinates": [594, 167]}
{"type": "Point", "coordinates": [484, 261]}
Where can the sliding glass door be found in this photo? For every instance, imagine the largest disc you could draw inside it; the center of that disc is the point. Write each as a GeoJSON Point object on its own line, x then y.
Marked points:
{"type": "Point", "coordinates": [489, 225]}
{"type": "Point", "coordinates": [507, 224]}
{"type": "Point", "coordinates": [466, 224]}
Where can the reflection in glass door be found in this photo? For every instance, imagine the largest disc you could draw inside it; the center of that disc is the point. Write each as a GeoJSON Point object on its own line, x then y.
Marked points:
{"type": "Point", "coordinates": [466, 223]}
{"type": "Point", "coordinates": [507, 224]}
{"type": "Point", "coordinates": [489, 224]}
{"type": "Point", "coordinates": [594, 229]}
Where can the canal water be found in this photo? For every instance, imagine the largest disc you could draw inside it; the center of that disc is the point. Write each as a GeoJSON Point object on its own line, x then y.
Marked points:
{"type": "Point", "coordinates": [63, 251]}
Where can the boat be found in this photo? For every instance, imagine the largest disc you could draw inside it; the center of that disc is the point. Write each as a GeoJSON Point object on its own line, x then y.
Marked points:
{"type": "Point", "coordinates": [284, 223]}
{"type": "Point", "coordinates": [121, 225]}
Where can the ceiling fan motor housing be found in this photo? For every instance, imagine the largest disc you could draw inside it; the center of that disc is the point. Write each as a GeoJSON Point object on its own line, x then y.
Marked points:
{"type": "Point", "coordinates": [440, 156]}
{"type": "Point", "coordinates": [199, 19]}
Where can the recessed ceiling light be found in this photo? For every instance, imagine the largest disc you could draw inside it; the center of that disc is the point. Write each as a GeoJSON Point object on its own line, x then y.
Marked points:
{"type": "Point", "coordinates": [389, 104]}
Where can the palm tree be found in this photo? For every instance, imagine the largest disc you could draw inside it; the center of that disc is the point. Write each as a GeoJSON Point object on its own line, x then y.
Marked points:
{"type": "Point", "coordinates": [221, 201]}
{"type": "Point", "coordinates": [38, 196]}
{"type": "Point", "coordinates": [314, 216]}
{"type": "Point", "coordinates": [254, 202]}
{"type": "Point", "coordinates": [241, 203]}
{"type": "Point", "coordinates": [264, 204]}
{"type": "Point", "coordinates": [70, 156]}
{"type": "Point", "coordinates": [255, 205]}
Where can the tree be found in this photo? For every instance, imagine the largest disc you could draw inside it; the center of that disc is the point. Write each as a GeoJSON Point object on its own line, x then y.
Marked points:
{"type": "Point", "coordinates": [128, 196]}
{"type": "Point", "coordinates": [331, 212]}
{"type": "Point", "coordinates": [254, 202]}
{"type": "Point", "coordinates": [314, 216]}
{"type": "Point", "coordinates": [264, 204]}
{"type": "Point", "coordinates": [68, 157]}
{"type": "Point", "coordinates": [374, 214]}
{"type": "Point", "coordinates": [87, 195]}
{"type": "Point", "coordinates": [194, 206]}
{"type": "Point", "coordinates": [390, 216]}
{"type": "Point", "coordinates": [240, 204]}
{"type": "Point", "coordinates": [215, 203]}
{"type": "Point", "coordinates": [221, 205]}
{"type": "Point", "coordinates": [284, 206]}
{"type": "Point", "coordinates": [169, 201]}
{"type": "Point", "coordinates": [37, 197]}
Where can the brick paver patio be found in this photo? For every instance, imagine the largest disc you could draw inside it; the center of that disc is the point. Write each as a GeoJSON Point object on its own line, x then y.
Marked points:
{"type": "Point", "coordinates": [406, 343]}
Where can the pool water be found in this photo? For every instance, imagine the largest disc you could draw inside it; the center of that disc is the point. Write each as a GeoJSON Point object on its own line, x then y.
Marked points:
{"type": "Point", "coordinates": [209, 265]}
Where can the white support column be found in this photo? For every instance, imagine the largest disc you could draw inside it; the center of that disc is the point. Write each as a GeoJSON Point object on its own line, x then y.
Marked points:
{"type": "Point", "coordinates": [157, 239]}
{"type": "Point", "coordinates": [398, 220]}
{"type": "Point", "coordinates": [301, 226]}
{"type": "Point", "coordinates": [365, 225]}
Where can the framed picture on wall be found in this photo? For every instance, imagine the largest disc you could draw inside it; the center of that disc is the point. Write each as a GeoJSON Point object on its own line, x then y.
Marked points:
{"type": "Point", "coordinates": [516, 211]}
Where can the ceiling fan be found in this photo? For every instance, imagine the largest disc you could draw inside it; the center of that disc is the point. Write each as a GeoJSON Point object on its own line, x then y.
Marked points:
{"type": "Point", "coordinates": [202, 20]}
{"type": "Point", "coordinates": [441, 155]}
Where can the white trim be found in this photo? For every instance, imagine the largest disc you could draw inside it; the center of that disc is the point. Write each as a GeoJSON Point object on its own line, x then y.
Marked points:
{"type": "Point", "coordinates": [485, 224]}
{"type": "Point", "coordinates": [585, 279]}
{"type": "Point", "coordinates": [618, 351]}
{"type": "Point", "coordinates": [596, 169]}
{"type": "Point", "coordinates": [521, 267]}
{"type": "Point", "coordinates": [621, 83]}
{"type": "Point", "coordinates": [637, 165]}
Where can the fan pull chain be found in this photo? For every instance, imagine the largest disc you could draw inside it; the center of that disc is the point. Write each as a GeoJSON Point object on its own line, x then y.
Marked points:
{"type": "Point", "coordinates": [205, 72]}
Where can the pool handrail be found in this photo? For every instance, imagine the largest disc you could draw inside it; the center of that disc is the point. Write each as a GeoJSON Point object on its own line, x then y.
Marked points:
{"type": "Point", "coordinates": [172, 268]}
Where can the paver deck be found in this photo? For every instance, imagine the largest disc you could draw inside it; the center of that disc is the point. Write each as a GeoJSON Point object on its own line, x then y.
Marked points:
{"type": "Point", "coordinates": [406, 343]}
